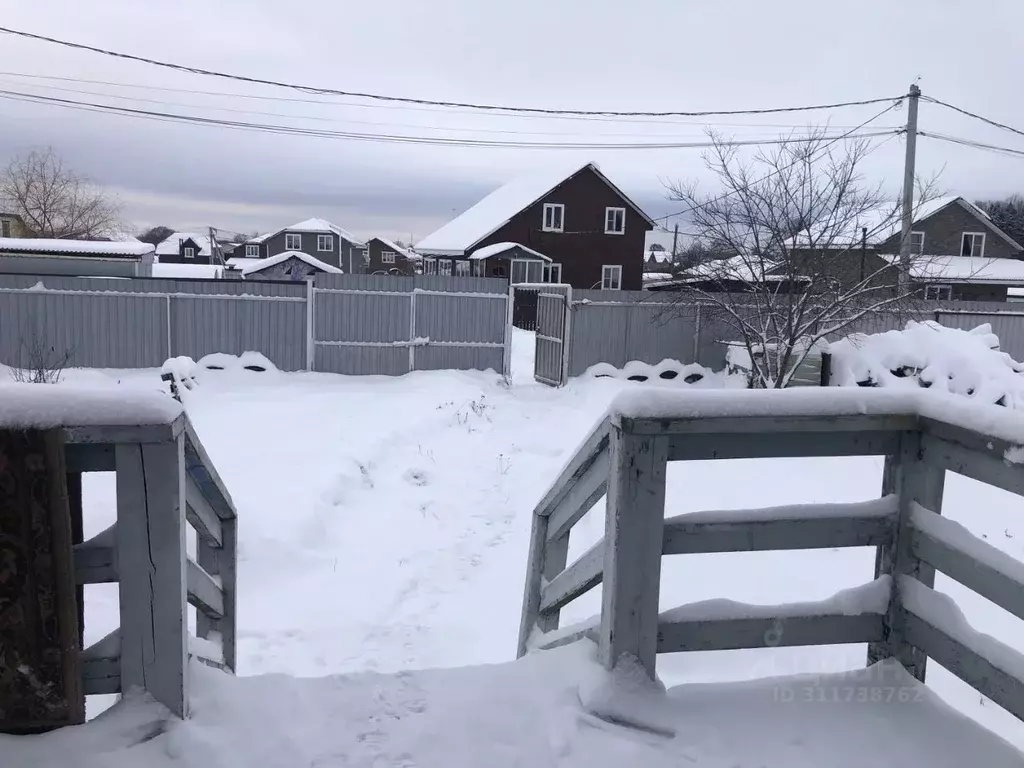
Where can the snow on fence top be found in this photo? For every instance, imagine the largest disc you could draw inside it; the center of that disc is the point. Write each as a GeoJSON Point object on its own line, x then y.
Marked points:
{"type": "Point", "coordinates": [92, 247]}
{"type": "Point", "coordinates": [26, 406]}
{"type": "Point", "coordinates": [826, 402]}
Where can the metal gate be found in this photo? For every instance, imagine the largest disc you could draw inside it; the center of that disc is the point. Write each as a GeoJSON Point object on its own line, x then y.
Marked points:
{"type": "Point", "coordinates": [551, 356]}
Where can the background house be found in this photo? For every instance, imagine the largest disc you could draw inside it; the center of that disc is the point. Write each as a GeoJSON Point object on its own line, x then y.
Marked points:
{"type": "Point", "coordinates": [592, 232]}
{"type": "Point", "coordinates": [79, 258]}
{"type": "Point", "coordinates": [185, 248]}
{"type": "Point", "coordinates": [287, 265]}
{"type": "Point", "coordinates": [12, 225]}
{"type": "Point", "coordinates": [324, 241]}
{"type": "Point", "coordinates": [386, 257]}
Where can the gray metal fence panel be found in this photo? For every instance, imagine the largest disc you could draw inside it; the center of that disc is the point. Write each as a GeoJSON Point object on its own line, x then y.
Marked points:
{"type": "Point", "coordinates": [435, 358]}
{"type": "Point", "coordinates": [277, 329]}
{"type": "Point", "coordinates": [361, 361]}
{"type": "Point", "coordinates": [549, 360]}
{"type": "Point", "coordinates": [112, 331]}
{"type": "Point", "coordinates": [452, 317]}
{"type": "Point", "coordinates": [1009, 328]}
{"type": "Point", "coordinates": [361, 317]}
{"type": "Point", "coordinates": [155, 285]}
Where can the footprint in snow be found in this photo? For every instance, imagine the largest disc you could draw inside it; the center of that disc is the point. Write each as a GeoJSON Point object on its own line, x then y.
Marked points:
{"type": "Point", "coordinates": [416, 477]}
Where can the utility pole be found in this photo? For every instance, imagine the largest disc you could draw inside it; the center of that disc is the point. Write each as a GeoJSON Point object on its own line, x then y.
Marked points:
{"type": "Point", "coordinates": [216, 255]}
{"type": "Point", "coordinates": [863, 250]}
{"type": "Point", "coordinates": [675, 241]}
{"type": "Point", "coordinates": [908, 190]}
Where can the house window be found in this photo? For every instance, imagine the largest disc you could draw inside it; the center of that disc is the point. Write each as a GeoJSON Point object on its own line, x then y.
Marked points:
{"type": "Point", "coordinates": [614, 221]}
{"type": "Point", "coordinates": [611, 277]}
{"type": "Point", "coordinates": [554, 217]}
{"type": "Point", "coordinates": [444, 267]}
{"type": "Point", "coordinates": [917, 242]}
{"type": "Point", "coordinates": [252, 251]}
{"type": "Point", "coordinates": [387, 257]}
{"type": "Point", "coordinates": [973, 244]}
{"type": "Point", "coordinates": [5, 227]}
{"type": "Point", "coordinates": [478, 268]}
{"type": "Point", "coordinates": [552, 273]}
{"type": "Point", "coordinates": [325, 242]}
{"type": "Point", "coordinates": [292, 242]}
{"type": "Point", "coordinates": [938, 292]}
{"type": "Point", "coordinates": [462, 268]}
{"type": "Point", "coordinates": [188, 252]}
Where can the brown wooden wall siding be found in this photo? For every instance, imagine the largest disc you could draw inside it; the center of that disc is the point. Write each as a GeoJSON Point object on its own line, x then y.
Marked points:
{"type": "Point", "coordinates": [376, 248]}
{"type": "Point", "coordinates": [583, 247]}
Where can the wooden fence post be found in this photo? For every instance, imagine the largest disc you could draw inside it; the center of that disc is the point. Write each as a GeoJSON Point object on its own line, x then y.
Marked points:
{"type": "Point", "coordinates": [912, 479]}
{"type": "Point", "coordinates": [151, 562]}
{"type": "Point", "coordinates": [634, 529]}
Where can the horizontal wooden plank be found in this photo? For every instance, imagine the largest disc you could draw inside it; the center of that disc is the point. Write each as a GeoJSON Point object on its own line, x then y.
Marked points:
{"type": "Point", "coordinates": [89, 457]}
{"type": "Point", "coordinates": [203, 591]}
{"type": "Point", "coordinates": [96, 559]}
{"type": "Point", "coordinates": [978, 574]}
{"type": "Point", "coordinates": [750, 425]}
{"type": "Point", "coordinates": [730, 634]}
{"type": "Point", "coordinates": [564, 636]}
{"type": "Point", "coordinates": [199, 467]}
{"type": "Point", "coordinates": [986, 466]}
{"type": "Point", "coordinates": [981, 673]}
{"type": "Point", "coordinates": [111, 435]}
{"type": "Point", "coordinates": [579, 578]}
{"type": "Point", "coordinates": [200, 514]}
{"type": "Point", "coordinates": [781, 528]}
{"type": "Point", "coordinates": [586, 490]}
{"type": "Point", "coordinates": [596, 442]}
{"type": "Point", "coordinates": [101, 676]}
{"type": "Point", "coordinates": [755, 445]}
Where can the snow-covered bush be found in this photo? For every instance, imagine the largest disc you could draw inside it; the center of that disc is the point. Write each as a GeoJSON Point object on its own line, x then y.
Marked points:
{"type": "Point", "coordinates": [247, 361]}
{"type": "Point", "coordinates": [667, 372]}
{"type": "Point", "coordinates": [929, 355]}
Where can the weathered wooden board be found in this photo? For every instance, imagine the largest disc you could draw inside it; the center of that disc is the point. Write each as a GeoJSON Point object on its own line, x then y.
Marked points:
{"type": "Point", "coordinates": [40, 668]}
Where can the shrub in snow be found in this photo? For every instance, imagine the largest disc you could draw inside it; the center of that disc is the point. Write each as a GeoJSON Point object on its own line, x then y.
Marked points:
{"type": "Point", "coordinates": [929, 355]}
{"type": "Point", "coordinates": [180, 373]}
{"type": "Point", "coordinates": [667, 372]}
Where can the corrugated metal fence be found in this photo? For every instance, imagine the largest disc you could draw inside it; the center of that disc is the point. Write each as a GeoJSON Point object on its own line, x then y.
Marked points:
{"type": "Point", "coordinates": [360, 324]}
{"type": "Point", "coordinates": [618, 327]}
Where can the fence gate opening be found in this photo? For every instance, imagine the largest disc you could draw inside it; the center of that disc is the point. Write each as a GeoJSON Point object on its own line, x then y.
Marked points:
{"type": "Point", "coordinates": [551, 355]}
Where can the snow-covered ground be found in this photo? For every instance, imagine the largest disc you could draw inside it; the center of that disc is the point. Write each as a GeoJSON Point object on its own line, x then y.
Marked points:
{"type": "Point", "coordinates": [383, 526]}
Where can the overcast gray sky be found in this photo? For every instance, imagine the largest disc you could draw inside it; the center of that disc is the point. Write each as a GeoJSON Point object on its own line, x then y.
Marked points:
{"type": "Point", "coordinates": [646, 55]}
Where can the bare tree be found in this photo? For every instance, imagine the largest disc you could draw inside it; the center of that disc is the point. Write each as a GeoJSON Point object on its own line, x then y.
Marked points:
{"type": "Point", "coordinates": [156, 235]}
{"type": "Point", "coordinates": [792, 219]}
{"type": "Point", "coordinates": [56, 202]}
{"type": "Point", "coordinates": [43, 363]}
{"type": "Point", "coordinates": [1007, 214]}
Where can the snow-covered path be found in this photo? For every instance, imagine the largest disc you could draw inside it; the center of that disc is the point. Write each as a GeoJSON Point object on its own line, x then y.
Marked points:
{"type": "Point", "coordinates": [383, 525]}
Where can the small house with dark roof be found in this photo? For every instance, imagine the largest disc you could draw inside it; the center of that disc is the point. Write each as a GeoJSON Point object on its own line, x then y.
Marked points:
{"type": "Point", "coordinates": [385, 257]}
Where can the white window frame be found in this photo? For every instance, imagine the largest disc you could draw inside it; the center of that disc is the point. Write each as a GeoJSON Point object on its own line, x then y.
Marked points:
{"type": "Point", "coordinates": [6, 228]}
{"type": "Point", "coordinates": [320, 243]}
{"type": "Point", "coordinates": [387, 257]}
{"type": "Point", "coordinates": [252, 251]}
{"type": "Point", "coordinates": [429, 266]}
{"type": "Point", "coordinates": [478, 267]}
{"type": "Point", "coordinates": [462, 268]}
{"type": "Point", "coordinates": [553, 272]}
{"type": "Point", "coordinates": [611, 277]}
{"type": "Point", "coordinates": [920, 250]}
{"type": "Point", "coordinates": [933, 292]}
{"type": "Point", "coordinates": [188, 252]}
{"type": "Point", "coordinates": [444, 267]}
{"type": "Point", "coordinates": [288, 238]}
{"type": "Point", "coordinates": [973, 236]}
{"type": "Point", "coordinates": [553, 208]}
{"type": "Point", "coordinates": [610, 213]}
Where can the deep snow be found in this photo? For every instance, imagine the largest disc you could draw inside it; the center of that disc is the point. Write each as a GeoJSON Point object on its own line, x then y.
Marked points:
{"type": "Point", "coordinates": [383, 526]}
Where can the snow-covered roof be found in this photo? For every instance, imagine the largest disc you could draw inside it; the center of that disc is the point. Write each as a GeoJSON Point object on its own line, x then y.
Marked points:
{"type": "Point", "coordinates": [656, 277]}
{"type": "Point", "coordinates": [125, 248]}
{"type": "Point", "coordinates": [171, 245]}
{"type": "Point", "coordinates": [742, 269]}
{"type": "Point", "coordinates": [494, 211]}
{"type": "Point", "coordinates": [197, 271]}
{"type": "Point", "coordinates": [498, 248]}
{"type": "Point", "coordinates": [390, 244]}
{"type": "Point", "coordinates": [964, 269]}
{"type": "Point", "coordinates": [311, 225]}
{"type": "Point", "coordinates": [283, 257]}
{"type": "Point", "coordinates": [662, 257]}
{"type": "Point", "coordinates": [240, 262]}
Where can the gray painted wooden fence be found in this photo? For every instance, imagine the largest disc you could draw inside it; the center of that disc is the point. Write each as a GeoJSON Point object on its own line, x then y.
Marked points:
{"type": "Point", "coordinates": [900, 617]}
{"type": "Point", "coordinates": [618, 327]}
{"type": "Point", "coordinates": [357, 324]}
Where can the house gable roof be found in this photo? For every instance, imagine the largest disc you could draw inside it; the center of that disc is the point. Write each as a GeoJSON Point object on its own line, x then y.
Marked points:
{"type": "Point", "coordinates": [128, 249]}
{"type": "Point", "coordinates": [284, 256]}
{"type": "Point", "coordinates": [491, 213]}
{"type": "Point", "coordinates": [170, 246]}
{"type": "Point", "coordinates": [312, 226]}
{"type": "Point", "coordinates": [392, 246]}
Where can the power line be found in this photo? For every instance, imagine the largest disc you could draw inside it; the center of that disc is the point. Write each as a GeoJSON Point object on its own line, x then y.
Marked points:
{"type": "Point", "coordinates": [386, 138]}
{"type": "Point", "coordinates": [848, 135]}
{"type": "Point", "coordinates": [431, 102]}
{"type": "Point", "coordinates": [1005, 127]}
{"type": "Point", "coordinates": [973, 144]}
{"type": "Point", "coordinates": [359, 105]}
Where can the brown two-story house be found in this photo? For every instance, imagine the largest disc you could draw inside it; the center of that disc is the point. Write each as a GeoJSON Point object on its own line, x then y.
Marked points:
{"type": "Point", "coordinates": [582, 228]}
{"type": "Point", "coordinates": [384, 257]}
{"type": "Point", "coordinates": [185, 248]}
